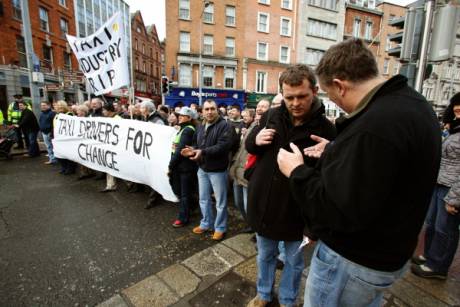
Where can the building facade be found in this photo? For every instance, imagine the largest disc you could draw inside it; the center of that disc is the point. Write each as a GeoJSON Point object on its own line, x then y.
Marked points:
{"type": "Point", "coordinates": [388, 65]}
{"type": "Point", "coordinates": [146, 51]}
{"type": "Point", "coordinates": [50, 20]}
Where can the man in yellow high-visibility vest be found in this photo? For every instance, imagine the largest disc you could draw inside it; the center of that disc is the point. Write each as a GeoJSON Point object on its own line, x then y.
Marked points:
{"type": "Point", "coordinates": [14, 115]}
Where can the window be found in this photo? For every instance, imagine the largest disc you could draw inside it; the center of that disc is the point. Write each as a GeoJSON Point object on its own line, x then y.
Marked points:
{"type": "Point", "coordinates": [136, 44]}
{"type": "Point", "coordinates": [284, 54]}
{"type": "Point", "coordinates": [208, 43]}
{"type": "Point", "coordinates": [184, 42]}
{"type": "Point", "coordinates": [387, 44]}
{"type": "Point", "coordinates": [17, 12]}
{"type": "Point", "coordinates": [230, 46]}
{"type": "Point", "coordinates": [267, 2]}
{"type": "Point", "coordinates": [386, 62]}
{"type": "Point", "coordinates": [368, 30]}
{"type": "Point", "coordinates": [392, 16]}
{"type": "Point", "coordinates": [81, 18]}
{"type": "Point", "coordinates": [325, 4]}
{"type": "Point", "coordinates": [63, 3]}
{"type": "Point", "coordinates": [395, 69]}
{"type": "Point", "coordinates": [64, 25]}
{"type": "Point", "coordinates": [184, 9]}
{"type": "Point", "coordinates": [67, 60]}
{"type": "Point", "coordinates": [322, 29]}
{"type": "Point", "coordinates": [261, 82]}
{"type": "Point", "coordinates": [21, 48]}
{"type": "Point", "coordinates": [47, 54]}
{"type": "Point", "coordinates": [229, 77]}
{"type": "Point", "coordinates": [262, 51]}
{"type": "Point", "coordinates": [371, 4]}
{"type": "Point", "coordinates": [208, 75]}
{"type": "Point", "coordinates": [286, 4]}
{"type": "Point", "coordinates": [137, 64]}
{"type": "Point", "coordinates": [185, 75]}
{"type": "Point", "coordinates": [263, 21]}
{"type": "Point", "coordinates": [230, 15]}
{"type": "Point", "coordinates": [152, 72]}
{"type": "Point", "coordinates": [44, 24]}
{"type": "Point", "coordinates": [285, 26]}
{"type": "Point", "coordinates": [143, 48]}
{"type": "Point", "coordinates": [208, 13]}
{"type": "Point", "coordinates": [357, 28]}
{"type": "Point", "coordinates": [313, 56]}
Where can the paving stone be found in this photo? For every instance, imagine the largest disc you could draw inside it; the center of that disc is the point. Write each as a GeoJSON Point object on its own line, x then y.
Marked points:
{"type": "Point", "coordinates": [214, 260]}
{"type": "Point", "coordinates": [114, 301]}
{"type": "Point", "coordinates": [447, 291]}
{"type": "Point", "coordinates": [180, 279]}
{"type": "Point", "coordinates": [242, 244]}
{"type": "Point", "coordinates": [414, 296]}
{"type": "Point", "coordinates": [151, 292]}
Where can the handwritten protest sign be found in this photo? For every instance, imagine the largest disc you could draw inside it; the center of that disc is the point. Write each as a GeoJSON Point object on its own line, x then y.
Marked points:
{"type": "Point", "coordinates": [127, 149]}
{"type": "Point", "coordinates": [102, 56]}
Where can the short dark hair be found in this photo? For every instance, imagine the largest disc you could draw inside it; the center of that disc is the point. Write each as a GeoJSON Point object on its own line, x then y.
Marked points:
{"type": "Point", "coordinates": [109, 107]}
{"type": "Point", "coordinates": [46, 102]}
{"type": "Point", "coordinates": [294, 76]}
{"type": "Point", "coordinates": [164, 109]}
{"type": "Point", "coordinates": [236, 106]}
{"type": "Point", "coordinates": [349, 60]}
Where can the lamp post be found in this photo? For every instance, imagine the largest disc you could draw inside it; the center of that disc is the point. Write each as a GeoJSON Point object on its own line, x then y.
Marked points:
{"type": "Point", "coordinates": [200, 64]}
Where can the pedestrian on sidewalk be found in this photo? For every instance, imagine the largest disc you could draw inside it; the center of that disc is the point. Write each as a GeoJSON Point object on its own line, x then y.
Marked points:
{"type": "Point", "coordinates": [68, 167]}
{"type": "Point", "coordinates": [369, 193]}
{"type": "Point", "coordinates": [272, 211]}
{"type": "Point", "coordinates": [443, 219]}
{"type": "Point", "coordinates": [29, 126]}
{"type": "Point", "coordinates": [46, 127]}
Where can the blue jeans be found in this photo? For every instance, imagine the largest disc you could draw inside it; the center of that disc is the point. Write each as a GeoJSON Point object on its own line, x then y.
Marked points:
{"type": "Point", "coordinates": [441, 235]}
{"type": "Point", "coordinates": [291, 275]}
{"type": "Point", "coordinates": [336, 281]}
{"type": "Point", "coordinates": [217, 182]}
{"type": "Point", "coordinates": [49, 147]}
{"type": "Point", "coordinates": [33, 144]}
{"type": "Point", "coordinates": [240, 198]}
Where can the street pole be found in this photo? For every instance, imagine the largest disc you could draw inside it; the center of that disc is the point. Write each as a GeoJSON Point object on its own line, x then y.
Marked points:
{"type": "Point", "coordinates": [34, 93]}
{"type": "Point", "coordinates": [206, 3]}
{"type": "Point", "coordinates": [425, 40]}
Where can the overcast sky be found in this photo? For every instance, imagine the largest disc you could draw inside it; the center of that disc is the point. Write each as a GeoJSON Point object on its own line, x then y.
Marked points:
{"type": "Point", "coordinates": [153, 11]}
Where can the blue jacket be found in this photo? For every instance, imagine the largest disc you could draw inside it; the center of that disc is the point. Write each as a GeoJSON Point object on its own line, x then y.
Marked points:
{"type": "Point", "coordinates": [216, 144]}
{"type": "Point", "coordinates": [46, 121]}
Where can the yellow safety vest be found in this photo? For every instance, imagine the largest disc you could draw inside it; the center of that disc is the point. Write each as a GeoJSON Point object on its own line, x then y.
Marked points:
{"type": "Point", "coordinates": [177, 138]}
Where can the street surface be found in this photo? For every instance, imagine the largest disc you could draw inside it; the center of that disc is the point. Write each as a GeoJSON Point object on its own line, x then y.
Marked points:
{"type": "Point", "coordinates": [63, 243]}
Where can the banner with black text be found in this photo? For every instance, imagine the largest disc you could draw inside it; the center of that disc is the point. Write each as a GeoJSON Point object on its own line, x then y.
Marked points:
{"type": "Point", "coordinates": [127, 149]}
{"type": "Point", "coordinates": [103, 56]}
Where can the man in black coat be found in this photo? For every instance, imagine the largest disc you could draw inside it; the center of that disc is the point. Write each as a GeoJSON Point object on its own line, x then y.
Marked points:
{"type": "Point", "coordinates": [272, 211]}
{"type": "Point", "coordinates": [368, 196]}
{"type": "Point", "coordinates": [29, 125]}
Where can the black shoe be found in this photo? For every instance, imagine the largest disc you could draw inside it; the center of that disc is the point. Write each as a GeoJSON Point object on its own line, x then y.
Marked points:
{"type": "Point", "coordinates": [279, 264]}
{"type": "Point", "coordinates": [418, 260]}
{"type": "Point", "coordinates": [421, 272]}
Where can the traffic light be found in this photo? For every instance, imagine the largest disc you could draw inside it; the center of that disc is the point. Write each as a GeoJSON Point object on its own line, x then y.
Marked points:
{"type": "Point", "coordinates": [165, 85]}
{"type": "Point", "coordinates": [444, 33]}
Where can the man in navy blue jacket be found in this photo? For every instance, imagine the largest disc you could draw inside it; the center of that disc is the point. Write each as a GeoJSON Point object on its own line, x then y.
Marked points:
{"type": "Point", "coordinates": [213, 145]}
{"type": "Point", "coordinates": [46, 127]}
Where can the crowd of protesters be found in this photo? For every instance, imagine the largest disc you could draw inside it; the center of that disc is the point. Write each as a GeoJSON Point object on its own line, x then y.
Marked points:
{"type": "Point", "coordinates": [360, 189]}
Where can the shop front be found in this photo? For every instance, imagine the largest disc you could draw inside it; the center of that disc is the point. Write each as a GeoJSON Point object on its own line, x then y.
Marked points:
{"type": "Point", "coordinates": [186, 96]}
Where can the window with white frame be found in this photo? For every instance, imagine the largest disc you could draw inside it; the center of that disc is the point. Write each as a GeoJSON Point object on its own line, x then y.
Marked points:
{"type": "Point", "coordinates": [387, 44]}
{"type": "Point", "coordinates": [21, 49]}
{"type": "Point", "coordinates": [185, 75]}
{"type": "Point", "coordinates": [313, 56]}
{"type": "Point", "coordinates": [184, 42]}
{"type": "Point", "coordinates": [17, 11]}
{"type": "Point", "coordinates": [230, 46]}
{"type": "Point", "coordinates": [284, 54]}
{"type": "Point", "coordinates": [47, 54]}
{"type": "Point", "coordinates": [261, 82]}
{"type": "Point", "coordinates": [262, 51]}
{"type": "Point", "coordinates": [322, 29]}
{"type": "Point", "coordinates": [285, 26]}
{"type": "Point", "coordinates": [67, 60]}
{"type": "Point", "coordinates": [184, 9]}
{"type": "Point", "coordinates": [359, 2]}
{"type": "Point", "coordinates": [368, 30]}
{"type": "Point", "coordinates": [395, 69]}
{"type": "Point", "coordinates": [208, 13]}
{"type": "Point", "coordinates": [263, 21]}
{"type": "Point", "coordinates": [325, 4]}
{"type": "Point", "coordinates": [208, 76]}
{"type": "Point", "coordinates": [44, 20]}
{"type": "Point", "coordinates": [229, 77]}
{"type": "Point", "coordinates": [208, 44]}
{"type": "Point", "coordinates": [286, 4]}
{"type": "Point", "coordinates": [230, 13]}
{"type": "Point", "coordinates": [371, 4]}
{"type": "Point", "coordinates": [267, 2]}
{"type": "Point", "coordinates": [64, 25]}
{"type": "Point", "coordinates": [357, 28]}
{"type": "Point", "coordinates": [386, 63]}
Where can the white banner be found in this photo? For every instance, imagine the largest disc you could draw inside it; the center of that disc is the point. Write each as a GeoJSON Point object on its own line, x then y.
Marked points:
{"type": "Point", "coordinates": [102, 56]}
{"type": "Point", "coordinates": [127, 149]}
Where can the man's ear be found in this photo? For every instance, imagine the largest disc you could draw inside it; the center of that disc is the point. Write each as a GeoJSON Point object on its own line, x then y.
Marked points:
{"type": "Point", "coordinates": [341, 86]}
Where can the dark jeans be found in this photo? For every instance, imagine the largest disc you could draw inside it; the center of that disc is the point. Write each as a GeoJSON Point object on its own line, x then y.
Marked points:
{"type": "Point", "coordinates": [33, 144]}
{"type": "Point", "coordinates": [183, 186]}
{"type": "Point", "coordinates": [441, 236]}
{"type": "Point", "coordinates": [19, 140]}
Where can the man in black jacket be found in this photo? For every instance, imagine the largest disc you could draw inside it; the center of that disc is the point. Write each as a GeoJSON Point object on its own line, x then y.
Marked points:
{"type": "Point", "coordinates": [367, 198]}
{"type": "Point", "coordinates": [29, 125]}
{"type": "Point", "coordinates": [272, 211]}
{"type": "Point", "coordinates": [214, 139]}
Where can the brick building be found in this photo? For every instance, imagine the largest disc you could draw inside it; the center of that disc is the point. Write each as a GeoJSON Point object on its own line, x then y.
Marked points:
{"type": "Point", "coordinates": [363, 20]}
{"type": "Point", "coordinates": [146, 51]}
{"type": "Point", "coordinates": [50, 20]}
